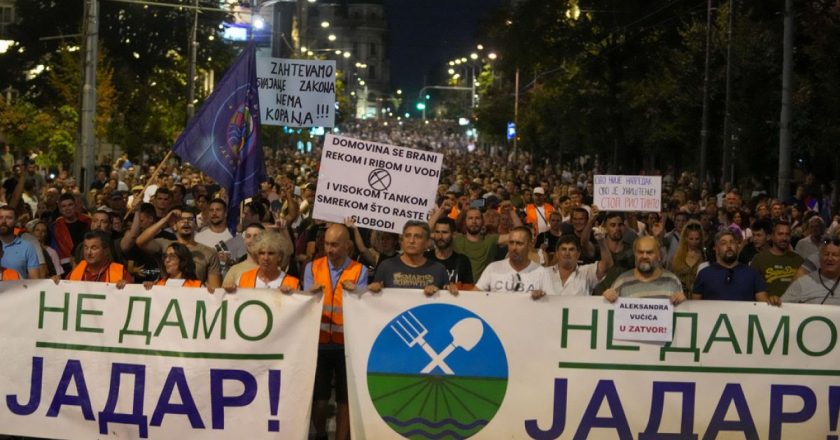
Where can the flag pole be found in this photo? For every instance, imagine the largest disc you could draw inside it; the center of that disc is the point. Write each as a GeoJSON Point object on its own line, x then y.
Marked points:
{"type": "Point", "coordinates": [148, 183]}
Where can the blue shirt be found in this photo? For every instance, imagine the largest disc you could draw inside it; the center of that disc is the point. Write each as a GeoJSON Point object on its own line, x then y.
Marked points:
{"type": "Point", "coordinates": [19, 255]}
{"type": "Point", "coordinates": [335, 274]}
{"type": "Point", "coordinates": [740, 283]}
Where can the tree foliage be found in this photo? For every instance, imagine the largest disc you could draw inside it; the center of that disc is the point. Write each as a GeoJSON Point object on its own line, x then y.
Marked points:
{"type": "Point", "coordinates": [623, 80]}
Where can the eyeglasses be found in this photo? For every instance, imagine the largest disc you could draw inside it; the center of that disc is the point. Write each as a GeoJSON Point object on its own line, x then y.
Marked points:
{"type": "Point", "coordinates": [730, 274]}
{"type": "Point", "coordinates": [834, 241]}
{"type": "Point", "coordinates": [518, 287]}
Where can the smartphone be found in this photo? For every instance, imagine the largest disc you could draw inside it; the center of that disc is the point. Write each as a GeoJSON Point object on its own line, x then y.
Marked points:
{"type": "Point", "coordinates": [477, 203]}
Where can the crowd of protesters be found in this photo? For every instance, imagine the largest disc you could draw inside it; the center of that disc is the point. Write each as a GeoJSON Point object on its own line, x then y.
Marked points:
{"type": "Point", "coordinates": [501, 223]}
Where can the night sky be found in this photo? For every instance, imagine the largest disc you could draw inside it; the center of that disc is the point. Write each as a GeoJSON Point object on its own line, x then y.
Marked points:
{"type": "Point", "coordinates": [425, 34]}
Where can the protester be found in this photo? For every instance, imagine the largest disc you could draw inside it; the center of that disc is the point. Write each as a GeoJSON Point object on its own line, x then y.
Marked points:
{"type": "Point", "coordinates": [819, 286]}
{"type": "Point", "coordinates": [179, 268]}
{"type": "Point", "coordinates": [18, 254]}
{"type": "Point", "coordinates": [727, 279]}
{"type": "Point", "coordinates": [270, 250]}
{"type": "Point", "coordinates": [517, 273]}
{"type": "Point", "coordinates": [332, 275]}
{"type": "Point", "coordinates": [412, 270]}
{"type": "Point", "coordinates": [457, 265]}
{"type": "Point", "coordinates": [570, 278]}
{"type": "Point", "coordinates": [648, 279]}
{"type": "Point", "coordinates": [779, 263]}
{"type": "Point", "coordinates": [98, 264]}
{"type": "Point", "coordinates": [205, 258]}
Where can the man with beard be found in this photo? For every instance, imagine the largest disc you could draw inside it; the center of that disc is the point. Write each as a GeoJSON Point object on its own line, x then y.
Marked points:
{"type": "Point", "coordinates": [648, 279]}
{"type": "Point", "coordinates": [778, 264]}
{"type": "Point", "coordinates": [18, 254]}
{"type": "Point", "coordinates": [457, 265]}
{"type": "Point", "coordinates": [217, 229]}
{"type": "Point", "coordinates": [621, 250]}
{"type": "Point", "coordinates": [206, 262]}
{"type": "Point", "coordinates": [516, 273]}
{"type": "Point", "coordinates": [412, 270]}
{"type": "Point", "coordinates": [727, 279]}
{"type": "Point", "coordinates": [478, 246]}
{"type": "Point", "coordinates": [819, 286]}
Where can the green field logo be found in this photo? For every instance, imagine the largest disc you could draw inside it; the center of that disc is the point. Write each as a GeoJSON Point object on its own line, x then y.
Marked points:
{"type": "Point", "coordinates": [437, 371]}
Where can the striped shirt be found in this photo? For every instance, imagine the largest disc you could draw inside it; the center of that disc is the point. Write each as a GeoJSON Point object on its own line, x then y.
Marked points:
{"type": "Point", "coordinates": [663, 286]}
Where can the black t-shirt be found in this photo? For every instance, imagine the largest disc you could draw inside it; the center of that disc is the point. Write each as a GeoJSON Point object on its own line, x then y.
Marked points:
{"type": "Point", "coordinates": [77, 231]}
{"type": "Point", "coordinates": [548, 237]}
{"type": "Point", "coordinates": [394, 273]}
{"type": "Point", "coordinates": [457, 267]}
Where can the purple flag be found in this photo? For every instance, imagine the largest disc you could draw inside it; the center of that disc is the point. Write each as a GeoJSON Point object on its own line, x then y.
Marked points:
{"type": "Point", "coordinates": [222, 140]}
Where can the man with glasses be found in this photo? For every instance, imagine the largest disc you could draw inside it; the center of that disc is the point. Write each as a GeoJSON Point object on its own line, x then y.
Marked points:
{"type": "Point", "coordinates": [819, 286]}
{"type": "Point", "coordinates": [727, 279]}
{"type": "Point", "coordinates": [516, 273]}
{"type": "Point", "coordinates": [206, 262]}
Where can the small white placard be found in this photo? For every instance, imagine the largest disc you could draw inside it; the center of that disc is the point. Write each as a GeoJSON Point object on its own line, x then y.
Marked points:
{"type": "Point", "coordinates": [643, 319]}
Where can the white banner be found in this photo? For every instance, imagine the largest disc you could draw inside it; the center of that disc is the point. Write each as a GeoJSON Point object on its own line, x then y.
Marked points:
{"type": "Point", "coordinates": [502, 365]}
{"type": "Point", "coordinates": [85, 360]}
{"type": "Point", "coordinates": [628, 193]}
{"type": "Point", "coordinates": [381, 186]}
{"type": "Point", "coordinates": [296, 93]}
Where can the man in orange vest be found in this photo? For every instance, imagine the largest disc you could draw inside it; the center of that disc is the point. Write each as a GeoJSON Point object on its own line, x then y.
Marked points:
{"type": "Point", "coordinates": [98, 264]}
{"type": "Point", "coordinates": [537, 213]}
{"type": "Point", "coordinates": [333, 275]}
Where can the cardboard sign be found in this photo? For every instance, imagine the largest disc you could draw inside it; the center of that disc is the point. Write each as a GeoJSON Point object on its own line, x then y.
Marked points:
{"type": "Point", "coordinates": [628, 193]}
{"type": "Point", "coordinates": [296, 93]}
{"type": "Point", "coordinates": [643, 319]}
{"type": "Point", "coordinates": [381, 186]}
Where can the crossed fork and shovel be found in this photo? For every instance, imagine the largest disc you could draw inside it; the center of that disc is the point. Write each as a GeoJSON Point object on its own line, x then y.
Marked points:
{"type": "Point", "coordinates": [466, 333]}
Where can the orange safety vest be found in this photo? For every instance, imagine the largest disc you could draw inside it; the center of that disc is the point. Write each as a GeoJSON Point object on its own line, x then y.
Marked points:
{"type": "Point", "coordinates": [249, 280]}
{"type": "Point", "coordinates": [187, 283]}
{"type": "Point", "coordinates": [531, 215]}
{"type": "Point", "coordinates": [114, 273]}
{"type": "Point", "coordinates": [10, 275]}
{"type": "Point", "coordinates": [332, 315]}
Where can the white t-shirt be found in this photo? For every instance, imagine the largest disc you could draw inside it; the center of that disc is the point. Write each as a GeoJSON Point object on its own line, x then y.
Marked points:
{"type": "Point", "coordinates": [581, 282]}
{"type": "Point", "coordinates": [209, 238]}
{"type": "Point", "coordinates": [499, 276]}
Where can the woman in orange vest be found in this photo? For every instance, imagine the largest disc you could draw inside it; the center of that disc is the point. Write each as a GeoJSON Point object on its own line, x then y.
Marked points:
{"type": "Point", "coordinates": [269, 250]}
{"type": "Point", "coordinates": [179, 267]}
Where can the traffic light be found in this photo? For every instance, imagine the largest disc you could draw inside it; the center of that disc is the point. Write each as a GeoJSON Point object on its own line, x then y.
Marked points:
{"type": "Point", "coordinates": [421, 106]}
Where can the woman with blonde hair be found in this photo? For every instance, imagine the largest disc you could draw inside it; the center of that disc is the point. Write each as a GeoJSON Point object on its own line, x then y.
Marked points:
{"type": "Point", "coordinates": [689, 254]}
{"type": "Point", "coordinates": [271, 250]}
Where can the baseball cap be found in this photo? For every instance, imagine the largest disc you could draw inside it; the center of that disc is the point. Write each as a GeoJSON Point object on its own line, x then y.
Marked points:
{"type": "Point", "coordinates": [539, 190]}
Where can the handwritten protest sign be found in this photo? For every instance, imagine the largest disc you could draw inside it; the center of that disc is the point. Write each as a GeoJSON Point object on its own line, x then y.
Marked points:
{"type": "Point", "coordinates": [296, 93]}
{"type": "Point", "coordinates": [643, 319]}
{"type": "Point", "coordinates": [381, 186]}
{"type": "Point", "coordinates": [628, 193]}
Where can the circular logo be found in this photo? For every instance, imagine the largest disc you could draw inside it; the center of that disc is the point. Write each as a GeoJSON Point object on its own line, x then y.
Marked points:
{"type": "Point", "coordinates": [436, 371]}
{"type": "Point", "coordinates": [239, 132]}
{"type": "Point", "coordinates": [379, 179]}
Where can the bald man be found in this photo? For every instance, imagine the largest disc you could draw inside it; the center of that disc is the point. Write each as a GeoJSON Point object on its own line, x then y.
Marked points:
{"type": "Point", "coordinates": [333, 274]}
{"type": "Point", "coordinates": [648, 279]}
